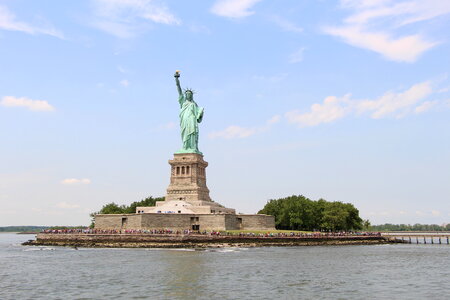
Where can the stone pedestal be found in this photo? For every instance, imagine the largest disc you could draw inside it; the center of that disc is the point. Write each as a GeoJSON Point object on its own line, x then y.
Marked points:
{"type": "Point", "coordinates": [187, 191]}
{"type": "Point", "coordinates": [188, 179]}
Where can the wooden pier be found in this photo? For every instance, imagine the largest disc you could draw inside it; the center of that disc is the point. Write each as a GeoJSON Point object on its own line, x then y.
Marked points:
{"type": "Point", "coordinates": [417, 238]}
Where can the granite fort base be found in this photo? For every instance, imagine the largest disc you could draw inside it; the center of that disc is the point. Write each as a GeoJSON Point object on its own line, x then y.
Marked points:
{"type": "Point", "coordinates": [187, 205]}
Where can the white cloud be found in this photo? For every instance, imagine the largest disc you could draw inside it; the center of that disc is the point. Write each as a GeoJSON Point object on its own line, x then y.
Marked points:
{"type": "Point", "coordinates": [8, 22]}
{"type": "Point", "coordinates": [66, 205]}
{"type": "Point", "coordinates": [233, 131]}
{"type": "Point", "coordinates": [8, 212]}
{"type": "Point", "coordinates": [122, 69]}
{"type": "Point", "coordinates": [286, 25]}
{"type": "Point", "coordinates": [425, 106]}
{"type": "Point", "coordinates": [405, 49]}
{"type": "Point", "coordinates": [75, 181]}
{"type": "Point", "coordinates": [275, 119]}
{"type": "Point", "coordinates": [170, 125]}
{"type": "Point", "coordinates": [271, 79]}
{"type": "Point", "coordinates": [198, 28]}
{"type": "Point", "coordinates": [164, 127]}
{"type": "Point", "coordinates": [35, 105]}
{"type": "Point", "coordinates": [297, 56]}
{"type": "Point", "coordinates": [375, 25]}
{"type": "Point", "coordinates": [400, 12]}
{"type": "Point", "coordinates": [234, 8]}
{"type": "Point", "coordinates": [332, 108]}
{"type": "Point", "coordinates": [395, 103]}
{"type": "Point", "coordinates": [435, 213]}
{"type": "Point", "coordinates": [127, 18]}
{"type": "Point", "coordinates": [124, 83]}
{"type": "Point", "coordinates": [390, 104]}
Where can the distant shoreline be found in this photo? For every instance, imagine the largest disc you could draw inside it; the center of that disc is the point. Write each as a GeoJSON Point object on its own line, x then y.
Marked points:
{"type": "Point", "coordinates": [196, 241]}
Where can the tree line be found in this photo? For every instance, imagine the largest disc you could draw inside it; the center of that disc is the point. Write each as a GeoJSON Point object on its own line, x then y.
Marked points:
{"type": "Point", "coordinates": [23, 228]}
{"type": "Point", "coordinates": [113, 208]}
{"type": "Point", "coordinates": [301, 213]}
{"type": "Point", "coordinates": [34, 228]}
{"type": "Point", "coordinates": [409, 227]}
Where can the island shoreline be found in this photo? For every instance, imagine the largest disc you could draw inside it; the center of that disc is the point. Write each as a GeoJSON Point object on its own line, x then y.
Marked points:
{"type": "Point", "coordinates": [197, 241]}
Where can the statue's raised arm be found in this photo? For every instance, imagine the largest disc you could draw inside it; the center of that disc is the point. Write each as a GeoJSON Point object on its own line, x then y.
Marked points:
{"type": "Point", "coordinates": [177, 81]}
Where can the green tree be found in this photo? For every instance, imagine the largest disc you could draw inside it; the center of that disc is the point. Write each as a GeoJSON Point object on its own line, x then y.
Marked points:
{"type": "Point", "coordinates": [409, 227]}
{"type": "Point", "coordinates": [113, 208]}
{"type": "Point", "coordinates": [366, 224]}
{"type": "Point", "coordinates": [353, 221]}
{"type": "Point", "coordinates": [149, 201]}
{"type": "Point", "coordinates": [300, 213]}
{"type": "Point", "coordinates": [335, 217]}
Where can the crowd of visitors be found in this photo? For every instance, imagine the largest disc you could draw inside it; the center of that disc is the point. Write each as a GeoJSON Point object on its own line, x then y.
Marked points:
{"type": "Point", "coordinates": [317, 234]}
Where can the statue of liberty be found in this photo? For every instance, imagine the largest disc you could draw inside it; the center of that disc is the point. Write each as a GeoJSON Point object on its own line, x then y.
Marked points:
{"type": "Point", "coordinates": [190, 115]}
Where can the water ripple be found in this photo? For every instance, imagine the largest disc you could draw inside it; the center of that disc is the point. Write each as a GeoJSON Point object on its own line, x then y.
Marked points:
{"type": "Point", "coordinates": [332, 272]}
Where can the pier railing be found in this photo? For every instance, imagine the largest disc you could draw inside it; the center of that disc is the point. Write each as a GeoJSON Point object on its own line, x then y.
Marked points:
{"type": "Point", "coordinates": [417, 238]}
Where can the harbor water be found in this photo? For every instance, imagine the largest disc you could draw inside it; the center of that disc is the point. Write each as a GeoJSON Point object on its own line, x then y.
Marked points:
{"type": "Point", "coordinates": [400, 271]}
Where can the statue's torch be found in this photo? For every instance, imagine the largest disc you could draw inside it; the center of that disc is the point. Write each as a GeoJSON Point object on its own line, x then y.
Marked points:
{"type": "Point", "coordinates": [177, 73]}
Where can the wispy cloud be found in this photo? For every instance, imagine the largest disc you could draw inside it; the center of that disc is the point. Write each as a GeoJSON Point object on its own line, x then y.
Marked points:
{"type": "Point", "coordinates": [393, 213]}
{"type": "Point", "coordinates": [331, 109]}
{"type": "Point", "coordinates": [75, 181]}
{"type": "Point", "coordinates": [234, 131]}
{"type": "Point", "coordinates": [374, 25]}
{"type": "Point", "coordinates": [425, 106]}
{"type": "Point", "coordinates": [234, 8]}
{"type": "Point", "coordinates": [34, 105]}
{"type": "Point", "coordinates": [164, 127]}
{"type": "Point", "coordinates": [390, 104]}
{"type": "Point", "coordinates": [271, 78]}
{"type": "Point", "coordinates": [122, 70]}
{"type": "Point", "coordinates": [124, 83]}
{"type": "Point", "coordinates": [275, 119]}
{"type": "Point", "coordinates": [405, 49]}
{"type": "Point", "coordinates": [297, 56]}
{"type": "Point", "coordinates": [66, 205]}
{"type": "Point", "coordinates": [436, 213]}
{"type": "Point", "coordinates": [9, 22]}
{"type": "Point", "coordinates": [128, 18]}
{"type": "Point", "coordinates": [286, 25]}
{"type": "Point", "coordinates": [397, 104]}
{"type": "Point", "coordinates": [198, 28]}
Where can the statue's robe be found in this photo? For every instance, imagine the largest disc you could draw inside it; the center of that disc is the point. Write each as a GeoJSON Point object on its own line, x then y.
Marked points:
{"type": "Point", "coordinates": [190, 115]}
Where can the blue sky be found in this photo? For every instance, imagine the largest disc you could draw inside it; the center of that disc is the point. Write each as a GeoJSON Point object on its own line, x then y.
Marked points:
{"type": "Point", "coordinates": [342, 100]}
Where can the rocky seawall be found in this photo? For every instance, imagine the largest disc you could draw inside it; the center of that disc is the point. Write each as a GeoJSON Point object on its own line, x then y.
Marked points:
{"type": "Point", "coordinates": [196, 240]}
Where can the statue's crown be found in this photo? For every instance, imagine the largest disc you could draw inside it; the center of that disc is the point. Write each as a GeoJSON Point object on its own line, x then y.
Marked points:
{"type": "Point", "coordinates": [189, 90]}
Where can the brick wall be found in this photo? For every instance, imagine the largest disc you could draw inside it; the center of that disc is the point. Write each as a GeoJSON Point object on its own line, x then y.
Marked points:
{"type": "Point", "coordinates": [185, 221]}
{"type": "Point", "coordinates": [166, 221]}
{"type": "Point", "coordinates": [257, 222]}
{"type": "Point", "coordinates": [232, 222]}
{"type": "Point", "coordinates": [118, 221]}
{"type": "Point", "coordinates": [212, 222]}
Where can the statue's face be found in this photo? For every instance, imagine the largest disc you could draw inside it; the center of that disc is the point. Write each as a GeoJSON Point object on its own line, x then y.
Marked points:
{"type": "Point", "coordinates": [189, 95]}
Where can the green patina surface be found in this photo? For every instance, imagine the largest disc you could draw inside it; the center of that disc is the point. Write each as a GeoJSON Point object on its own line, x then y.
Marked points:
{"type": "Point", "coordinates": [190, 115]}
